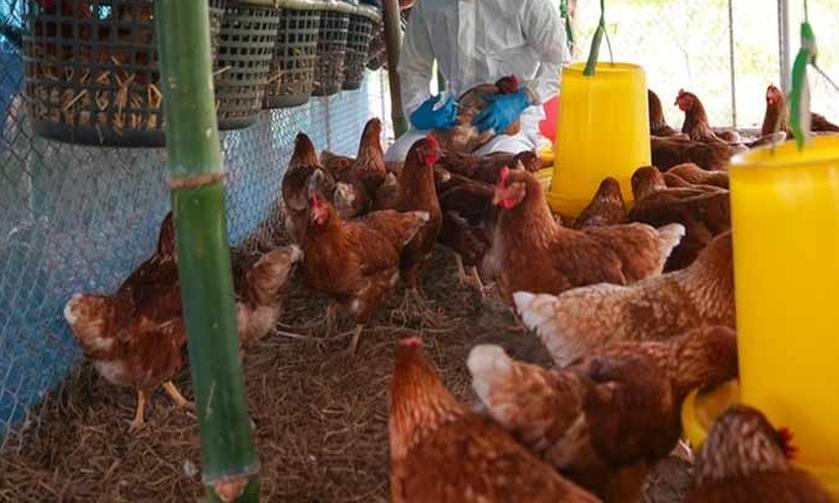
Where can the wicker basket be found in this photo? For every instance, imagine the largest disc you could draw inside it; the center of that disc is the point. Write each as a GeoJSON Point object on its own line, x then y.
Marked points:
{"type": "Point", "coordinates": [292, 77]}
{"type": "Point", "coordinates": [91, 74]}
{"type": "Point", "coordinates": [246, 48]}
{"type": "Point", "coordinates": [359, 34]}
{"type": "Point", "coordinates": [332, 47]}
{"type": "Point", "coordinates": [376, 54]}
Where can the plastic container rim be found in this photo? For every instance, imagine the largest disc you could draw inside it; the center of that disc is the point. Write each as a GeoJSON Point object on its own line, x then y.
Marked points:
{"type": "Point", "coordinates": [821, 150]}
{"type": "Point", "coordinates": [604, 68]}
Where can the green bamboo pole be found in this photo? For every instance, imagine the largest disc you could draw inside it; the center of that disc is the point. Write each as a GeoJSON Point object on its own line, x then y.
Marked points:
{"type": "Point", "coordinates": [393, 45]}
{"type": "Point", "coordinates": [228, 461]}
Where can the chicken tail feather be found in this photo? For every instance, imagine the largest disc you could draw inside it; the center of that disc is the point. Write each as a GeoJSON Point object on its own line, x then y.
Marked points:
{"type": "Point", "coordinates": [489, 365]}
{"type": "Point", "coordinates": [270, 273]}
{"type": "Point", "coordinates": [89, 316]}
{"type": "Point", "coordinates": [669, 237]}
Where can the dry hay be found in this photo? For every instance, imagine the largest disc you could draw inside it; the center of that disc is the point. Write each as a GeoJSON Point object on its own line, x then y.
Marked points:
{"type": "Point", "coordinates": [320, 417]}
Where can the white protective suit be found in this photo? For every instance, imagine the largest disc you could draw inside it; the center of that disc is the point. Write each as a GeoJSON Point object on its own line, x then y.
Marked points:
{"type": "Point", "coordinates": [476, 42]}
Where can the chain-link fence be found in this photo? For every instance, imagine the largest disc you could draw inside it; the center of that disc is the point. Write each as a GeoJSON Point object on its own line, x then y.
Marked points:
{"type": "Point", "coordinates": [687, 44]}
{"type": "Point", "coordinates": [76, 218]}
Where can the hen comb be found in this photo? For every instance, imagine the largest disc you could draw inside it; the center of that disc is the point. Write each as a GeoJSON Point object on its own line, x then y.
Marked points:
{"type": "Point", "coordinates": [503, 176]}
{"type": "Point", "coordinates": [515, 81]}
{"type": "Point", "coordinates": [785, 437]}
{"type": "Point", "coordinates": [316, 201]}
{"type": "Point", "coordinates": [411, 342]}
{"type": "Point", "coordinates": [432, 141]}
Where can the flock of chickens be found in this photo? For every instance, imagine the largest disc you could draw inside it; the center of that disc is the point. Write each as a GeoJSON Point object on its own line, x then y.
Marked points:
{"type": "Point", "coordinates": [636, 308]}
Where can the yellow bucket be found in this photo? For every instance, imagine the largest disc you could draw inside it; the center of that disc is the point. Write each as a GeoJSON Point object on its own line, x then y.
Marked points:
{"type": "Point", "coordinates": [701, 409]}
{"type": "Point", "coordinates": [785, 218]}
{"type": "Point", "coordinates": [602, 130]}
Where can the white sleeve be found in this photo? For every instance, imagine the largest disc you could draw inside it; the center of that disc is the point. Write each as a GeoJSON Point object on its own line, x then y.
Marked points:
{"type": "Point", "coordinates": [545, 32]}
{"type": "Point", "coordinates": [415, 62]}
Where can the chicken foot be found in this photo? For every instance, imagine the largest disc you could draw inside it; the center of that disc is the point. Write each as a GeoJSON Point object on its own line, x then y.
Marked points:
{"type": "Point", "coordinates": [472, 278]}
{"type": "Point", "coordinates": [139, 421]}
{"type": "Point", "coordinates": [176, 396]}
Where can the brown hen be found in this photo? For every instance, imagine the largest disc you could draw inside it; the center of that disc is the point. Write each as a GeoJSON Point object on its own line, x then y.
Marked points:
{"type": "Point", "coordinates": [531, 252]}
{"type": "Point", "coordinates": [696, 124]}
{"type": "Point", "coordinates": [745, 459]}
{"type": "Point", "coordinates": [669, 152]}
{"type": "Point", "coordinates": [304, 174]}
{"type": "Point", "coordinates": [358, 182]}
{"type": "Point", "coordinates": [695, 175]}
{"type": "Point", "coordinates": [607, 207]}
{"type": "Point", "coordinates": [417, 192]}
{"type": "Point", "coordinates": [440, 452]}
{"type": "Point", "coordinates": [776, 117]}
{"type": "Point", "coordinates": [658, 124]}
{"type": "Point", "coordinates": [705, 212]}
{"type": "Point", "coordinates": [356, 262]}
{"type": "Point", "coordinates": [606, 420]}
{"type": "Point", "coordinates": [585, 319]}
{"type": "Point", "coordinates": [464, 137]}
{"type": "Point", "coordinates": [136, 336]}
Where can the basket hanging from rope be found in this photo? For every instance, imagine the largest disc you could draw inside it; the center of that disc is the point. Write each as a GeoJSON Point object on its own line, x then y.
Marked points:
{"type": "Point", "coordinates": [91, 74]}
{"type": "Point", "coordinates": [332, 47]}
{"type": "Point", "coordinates": [245, 52]}
{"type": "Point", "coordinates": [359, 35]}
{"type": "Point", "coordinates": [292, 77]}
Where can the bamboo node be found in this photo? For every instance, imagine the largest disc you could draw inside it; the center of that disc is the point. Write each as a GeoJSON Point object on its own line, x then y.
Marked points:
{"type": "Point", "coordinates": [190, 182]}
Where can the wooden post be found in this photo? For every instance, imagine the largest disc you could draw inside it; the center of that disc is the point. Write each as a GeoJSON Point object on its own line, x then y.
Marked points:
{"type": "Point", "coordinates": [393, 45]}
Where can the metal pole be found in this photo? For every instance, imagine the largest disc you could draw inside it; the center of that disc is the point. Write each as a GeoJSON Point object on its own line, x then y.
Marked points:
{"type": "Point", "coordinates": [784, 55]}
{"type": "Point", "coordinates": [228, 460]}
{"type": "Point", "coordinates": [393, 44]}
{"type": "Point", "coordinates": [733, 72]}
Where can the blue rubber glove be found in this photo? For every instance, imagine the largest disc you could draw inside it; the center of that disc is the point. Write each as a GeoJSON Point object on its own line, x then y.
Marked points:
{"type": "Point", "coordinates": [502, 111]}
{"type": "Point", "coordinates": [426, 118]}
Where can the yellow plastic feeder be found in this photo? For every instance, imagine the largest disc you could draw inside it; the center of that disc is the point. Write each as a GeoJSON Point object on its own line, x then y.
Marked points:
{"type": "Point", "coordinates": [785, 218]}
{"type": "Point", "coordinates": [602, 130]}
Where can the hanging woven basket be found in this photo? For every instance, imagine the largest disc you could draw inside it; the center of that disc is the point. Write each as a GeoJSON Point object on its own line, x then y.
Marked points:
{"type": "Point", "coordinates": [376, 54]}
{"type": "Point", "coordinates": [246, 50]}
{"type": "Point", "coordinates": [292, 77]}
{"type": "Point", "coordinates": [359, 34]}
{"type": "Point", "coordinates": [332, 47]}
{"type": "Point", "coordinates": [91, 74]}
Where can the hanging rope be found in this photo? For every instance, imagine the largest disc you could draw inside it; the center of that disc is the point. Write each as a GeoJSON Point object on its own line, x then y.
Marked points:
{"type": "Point", "coordinates": [800, 94]}
{"type": "Point", "coordinates": [732, 72]}
{"type": "Point", "coordinates": [569, 33]}
{"type": "Point", "coordinates": [594, 53]}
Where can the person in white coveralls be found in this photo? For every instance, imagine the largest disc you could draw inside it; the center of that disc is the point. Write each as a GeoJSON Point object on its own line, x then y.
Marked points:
{"type": "Point", "coordinates": [477, 42]}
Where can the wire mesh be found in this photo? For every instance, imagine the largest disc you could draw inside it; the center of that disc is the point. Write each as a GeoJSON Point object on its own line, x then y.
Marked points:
{"type": "Point", "coordinates": [685, 44]}
{"type": "Point", "coordinates": [292, 77]}
{"type": "Point", "coordinates": [80, 218]}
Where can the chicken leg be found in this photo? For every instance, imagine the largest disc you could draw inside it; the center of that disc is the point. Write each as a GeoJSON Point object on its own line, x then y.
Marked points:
{"type": "Point", "coordinates": [471, 279]}
{"type": "Point", "coordinates": [176, 396]}
{"type": "Point", "coordinates": [356, 337]}
{"type": "Point", "coordinates": [330, 317]}
{"type": "Point", "coordinates": [138, 422]}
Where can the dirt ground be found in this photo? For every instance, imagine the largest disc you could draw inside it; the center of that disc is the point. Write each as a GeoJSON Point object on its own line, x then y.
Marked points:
{"type": "Point", "coordinates": [320, 416]}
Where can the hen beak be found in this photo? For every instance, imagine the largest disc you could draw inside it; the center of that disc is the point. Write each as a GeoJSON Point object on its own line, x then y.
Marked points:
{"type": "Point", "coordinates": [497, 197]}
